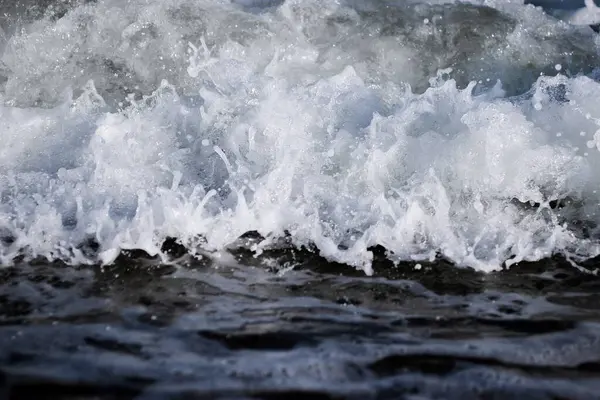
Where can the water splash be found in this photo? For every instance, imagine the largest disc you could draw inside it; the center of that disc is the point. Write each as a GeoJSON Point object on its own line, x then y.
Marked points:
{"type": "Point", "coordinates": [124, 124]}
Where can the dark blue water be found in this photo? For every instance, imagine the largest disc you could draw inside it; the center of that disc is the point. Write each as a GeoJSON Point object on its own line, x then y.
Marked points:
{"type": "Point", "coordinates": [141, 330]}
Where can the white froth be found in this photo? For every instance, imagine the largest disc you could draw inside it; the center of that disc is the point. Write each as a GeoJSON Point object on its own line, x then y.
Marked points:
{"type": "Point", "coordinates": [279, 120]}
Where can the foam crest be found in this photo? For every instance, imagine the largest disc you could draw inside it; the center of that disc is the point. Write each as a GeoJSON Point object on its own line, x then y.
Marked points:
{"type": "Point", "coordinates": [322, 121]}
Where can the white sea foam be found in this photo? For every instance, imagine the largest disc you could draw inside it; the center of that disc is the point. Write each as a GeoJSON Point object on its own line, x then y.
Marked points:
{"type": "Point", "coordinates": [335, 122]}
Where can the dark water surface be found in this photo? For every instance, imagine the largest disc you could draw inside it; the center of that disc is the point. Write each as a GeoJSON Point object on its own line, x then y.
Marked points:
{"type": "Point", "coordinates": [142, 330]}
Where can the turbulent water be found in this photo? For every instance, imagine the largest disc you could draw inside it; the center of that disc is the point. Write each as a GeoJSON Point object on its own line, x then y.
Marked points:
{"type": "Point", "coordinates": [467, 131]}
{"type": "Point", "coordinates": [318, 198]}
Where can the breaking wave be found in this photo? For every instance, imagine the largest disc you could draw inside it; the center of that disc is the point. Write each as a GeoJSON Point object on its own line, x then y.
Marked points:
{"type": "Point", "coordinates": [468, 131]}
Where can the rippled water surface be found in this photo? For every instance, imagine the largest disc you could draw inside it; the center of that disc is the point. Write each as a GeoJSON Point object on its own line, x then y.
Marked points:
{"type": "Point", "coordinates": [139, 329]}
{"type": "Point", "coordinates": [299, 198]}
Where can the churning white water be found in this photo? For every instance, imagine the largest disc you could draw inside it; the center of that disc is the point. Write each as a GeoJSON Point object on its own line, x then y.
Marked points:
{"type": "Point", "coordinates": [429, 128]}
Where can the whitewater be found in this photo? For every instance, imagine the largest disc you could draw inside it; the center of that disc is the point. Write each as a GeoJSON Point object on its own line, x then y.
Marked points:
{"type": "Point", "coordinates": [468, 132]}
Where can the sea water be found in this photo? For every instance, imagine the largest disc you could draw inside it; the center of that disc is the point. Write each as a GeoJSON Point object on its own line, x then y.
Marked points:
{"type": "Point", "coordinates": [222, 175]}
